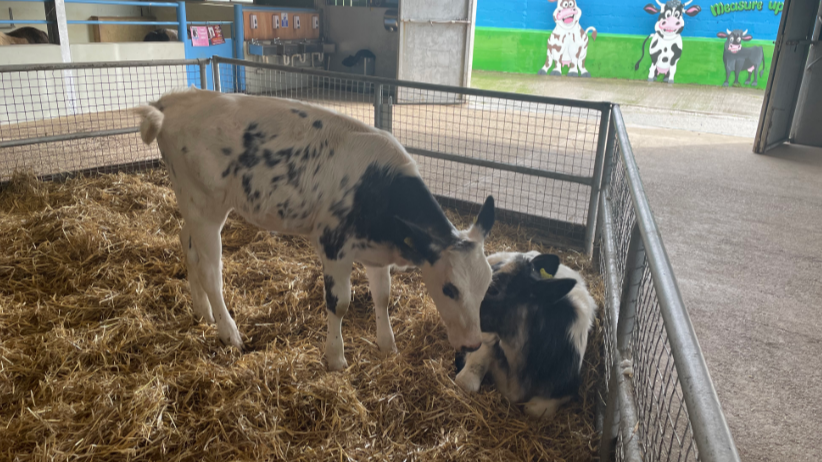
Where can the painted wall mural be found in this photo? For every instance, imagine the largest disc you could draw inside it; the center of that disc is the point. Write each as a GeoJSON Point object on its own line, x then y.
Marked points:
{"type": "Point", "coordinates": [688, 42]}
{"type": "Point", "coordinates": [568, 44]}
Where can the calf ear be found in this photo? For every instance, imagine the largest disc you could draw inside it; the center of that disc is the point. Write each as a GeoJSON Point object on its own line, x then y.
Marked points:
{"type": "Point", "coordinates": [722, 35]}
{"type": "Point", "coordinates": [414, 242]}
{"type": "Point", "coordinates": [651, 9]}
{"type": "Point", "coordinates": [484, 223]}
{"type": "Point", "coordinates": [746, 37]}
{"type": "Point", "coordinates": [546, 265]}
{"type": "Point", "coordinates": [693, 10]}
{"type": "Point", "coordinates": [551, 290]}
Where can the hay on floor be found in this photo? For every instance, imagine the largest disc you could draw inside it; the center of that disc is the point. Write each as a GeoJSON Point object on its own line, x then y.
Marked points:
{"type": "Point", "coordinates": [100, 356]}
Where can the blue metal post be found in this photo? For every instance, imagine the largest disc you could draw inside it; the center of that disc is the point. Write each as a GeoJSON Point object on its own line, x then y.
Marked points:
{"type": "Point", "coordinates": [239, 47]}
{"type": "Point", "coordinates": [181, 19]}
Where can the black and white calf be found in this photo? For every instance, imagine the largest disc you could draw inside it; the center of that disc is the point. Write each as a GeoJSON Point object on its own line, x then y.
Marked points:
{"type": "Point", "coordinates": [666, 46]}
{"type": "Point", "coordinates": [738, 59]}
{"type": "Point", "coordinates": [535, 320]}
{"type": "Point", "coordinates": [296, 168]}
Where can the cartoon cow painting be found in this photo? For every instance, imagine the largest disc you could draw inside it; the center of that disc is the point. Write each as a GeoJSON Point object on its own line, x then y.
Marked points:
{"type": "Point", "coordinates": [666, 47]}
{"type": "Point", "coordinates": [568, 44]}
{"type": "Point", "coordinates": [738, 59]}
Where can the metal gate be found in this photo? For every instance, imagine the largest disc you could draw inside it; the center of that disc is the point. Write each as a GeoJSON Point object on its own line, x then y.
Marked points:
{"type": "Point", "coordinates": [564, 168]}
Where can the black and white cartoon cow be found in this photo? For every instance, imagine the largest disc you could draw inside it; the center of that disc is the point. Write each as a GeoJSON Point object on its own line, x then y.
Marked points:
{"type": "Point", "coordinates": [568, 43]}
{"type": "Point", "coordinates": [297, 168]}
{"type": "Point", "coordinates": [738, 59]}
{"type": "Point", "coordinates": [666, 46]}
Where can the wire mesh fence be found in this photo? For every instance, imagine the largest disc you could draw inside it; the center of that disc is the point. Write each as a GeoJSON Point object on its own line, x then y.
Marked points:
{"type": "Point", "coordinates": [638, 343]}
{"type": "Point", "coordinates": [541, 159]}
{"type": "Point", "coordinates": [65, 118]}
{"type": "Point", "coordinates": [537, 158]}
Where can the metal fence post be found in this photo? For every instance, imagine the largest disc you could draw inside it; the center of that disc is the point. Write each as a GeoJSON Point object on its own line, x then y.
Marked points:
{"type": "Point", "coordinates": [378, 106]}
{"type": "Point", "coordinates": [387, 115]}
{"type": "Point", "coordinates": [215, 74]}
{"type": "Point", "coordinates": [634, 269]}
{"type": "Point", "coordinates": [607, 170]}
{"type": "Point", "coordinates": [203, 73]}
{"type": "Point", "coordinates": [593, 203]}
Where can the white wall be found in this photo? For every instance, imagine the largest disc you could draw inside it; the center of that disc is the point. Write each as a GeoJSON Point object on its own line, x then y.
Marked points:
{"type": "Point", "coordinates": [78, 33]}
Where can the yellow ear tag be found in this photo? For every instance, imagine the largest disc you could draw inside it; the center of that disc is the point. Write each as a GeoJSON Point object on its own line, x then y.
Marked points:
{"type": "Point", "coordinates": [409, 242]}
{"type": "Point", "coordinates": [544, 274]}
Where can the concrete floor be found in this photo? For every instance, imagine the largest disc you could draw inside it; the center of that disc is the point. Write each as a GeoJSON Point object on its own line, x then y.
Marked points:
{"type": "Point", "coordinates": [744, 234]}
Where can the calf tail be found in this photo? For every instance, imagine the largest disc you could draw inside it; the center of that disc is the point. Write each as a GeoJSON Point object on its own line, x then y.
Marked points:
{"type": "Point", "coordinates": [152, 122]}
{"type": "Point", "coordinates": [762, 69]}
{"type": "Point", "coordinates": [636, 66]}
{"type": "Point", "coordinates": [593, 31]}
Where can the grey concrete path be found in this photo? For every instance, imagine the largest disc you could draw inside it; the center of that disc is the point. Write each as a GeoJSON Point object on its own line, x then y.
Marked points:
{"type": "Point", "coordinates": [744, 234]}
{"type": "Point", "coordinates": [699, 108]}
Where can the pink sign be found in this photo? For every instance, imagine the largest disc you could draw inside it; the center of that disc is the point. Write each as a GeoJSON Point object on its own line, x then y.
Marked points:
{"type": "Point", "coordinates": [199, 36]}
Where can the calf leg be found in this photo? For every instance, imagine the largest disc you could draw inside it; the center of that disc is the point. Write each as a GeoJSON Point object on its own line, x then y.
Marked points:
{"type": "Point", "coordinates": [652, 73]}
{"type": "Point", "coordinates": [543, 408]}
{"type": "Point", "coordinates": [205, 240]}
{"type": "Point", "coordinates": [379, 282]}
{"type": "Point", "coordinates": [727, 77]}
{"type": "Point", "coordinates": [548, 62]}
{"type": "Point", "coordinates": [476, 366]}
{"type": "Point", "coordinates": [736, 78]}
{"type": "Point", "coordinates": [337, 280]}
{"type": "Point", "coordinates": [199, 299]}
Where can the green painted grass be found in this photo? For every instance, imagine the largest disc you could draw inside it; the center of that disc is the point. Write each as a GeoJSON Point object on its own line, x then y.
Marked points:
{"type": "Point", "coordinates": [610, 56]}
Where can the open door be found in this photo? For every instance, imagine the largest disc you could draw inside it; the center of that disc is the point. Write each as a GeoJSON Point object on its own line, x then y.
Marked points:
{"type": "Point", "coordinates": [790, 57]}
{"type": "Point", "coordinates": [436, 41]}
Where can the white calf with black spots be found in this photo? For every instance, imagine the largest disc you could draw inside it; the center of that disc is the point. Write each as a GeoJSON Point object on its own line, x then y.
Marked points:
{"type": "Point", "coordinates": [535, 320]}
{"type": "Point", "coordinates": [296, 168]}
{"type": "Point", "coordinates": [666, 46]}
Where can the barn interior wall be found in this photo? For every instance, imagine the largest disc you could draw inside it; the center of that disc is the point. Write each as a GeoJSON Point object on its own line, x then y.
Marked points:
{"type": "Point", "coordinates": [354, 29]}
{"type": "Point", "coordinates": [78, 33]}
{"type": "Point", "coordinates": [511, 36]}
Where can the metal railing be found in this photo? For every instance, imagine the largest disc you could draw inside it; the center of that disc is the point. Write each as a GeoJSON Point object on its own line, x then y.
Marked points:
{"type": "Point", "coordinates": [667, 406]}
{"type": "Point", "coordinates": [562, 167]}
{"type": "Point", "coordinates": [540, 157]}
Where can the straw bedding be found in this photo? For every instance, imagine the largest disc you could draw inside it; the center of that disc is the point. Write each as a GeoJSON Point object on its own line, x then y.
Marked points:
{"type": "Point", "coordinates": [101, 358]}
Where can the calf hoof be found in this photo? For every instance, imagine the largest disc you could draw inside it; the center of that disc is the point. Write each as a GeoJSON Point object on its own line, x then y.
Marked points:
{"type": "Point", "coordinates": [542, 72]}
{"type": "Point", "coordinates": [652, 80]}
{"type": "Point", "coordinates": [468, 381]}
{"type": "Point", "coordinates": [387, 347]}
{"type": "Point", "coordinates": [336, 364]}
{"type": "Point", "coordinates": [725, 84]}
{"type": "Point", "coordinates": [573, 74]}
{"type": "Point", "coordinates": [229, 334]}
{"type": "Point", "coordinates": [586, 74]}
{"type": "Point", "coordinates": [556, 73]}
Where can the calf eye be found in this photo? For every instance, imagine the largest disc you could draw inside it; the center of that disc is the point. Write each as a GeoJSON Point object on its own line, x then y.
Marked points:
{"type": "Point", "coordinates": [450, 291]}
{"type": "Point", "coordinates": [492, 291]}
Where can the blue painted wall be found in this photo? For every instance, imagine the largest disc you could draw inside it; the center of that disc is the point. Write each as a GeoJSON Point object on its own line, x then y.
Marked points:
{"type": "Point", "coordinates": [627, 17]}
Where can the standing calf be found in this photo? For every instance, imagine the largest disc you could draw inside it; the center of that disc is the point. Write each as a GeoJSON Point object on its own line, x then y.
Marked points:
{"type": "Point", "coordinates": [297, 168]}
{"type": "Point", "coordinates": [535, 320]}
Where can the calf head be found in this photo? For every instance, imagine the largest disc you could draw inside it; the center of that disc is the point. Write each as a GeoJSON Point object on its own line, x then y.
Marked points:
{"type": "Point", "coordinates": [519, 289]}
{"type": "Point", "coordinates": [670, 21]}
{"type": "Point", "coordinates": [566, 14]}
{"type": "Point", "coordinates": [456, 274]}
{"type": "Point", "coordinates": [734, 39]}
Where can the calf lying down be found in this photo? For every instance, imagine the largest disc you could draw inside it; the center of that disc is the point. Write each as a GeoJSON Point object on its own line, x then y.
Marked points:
{"type": "Point", "coordinates": [352, 189]}
{"type": "Point", "coordinates": [535, 320]}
